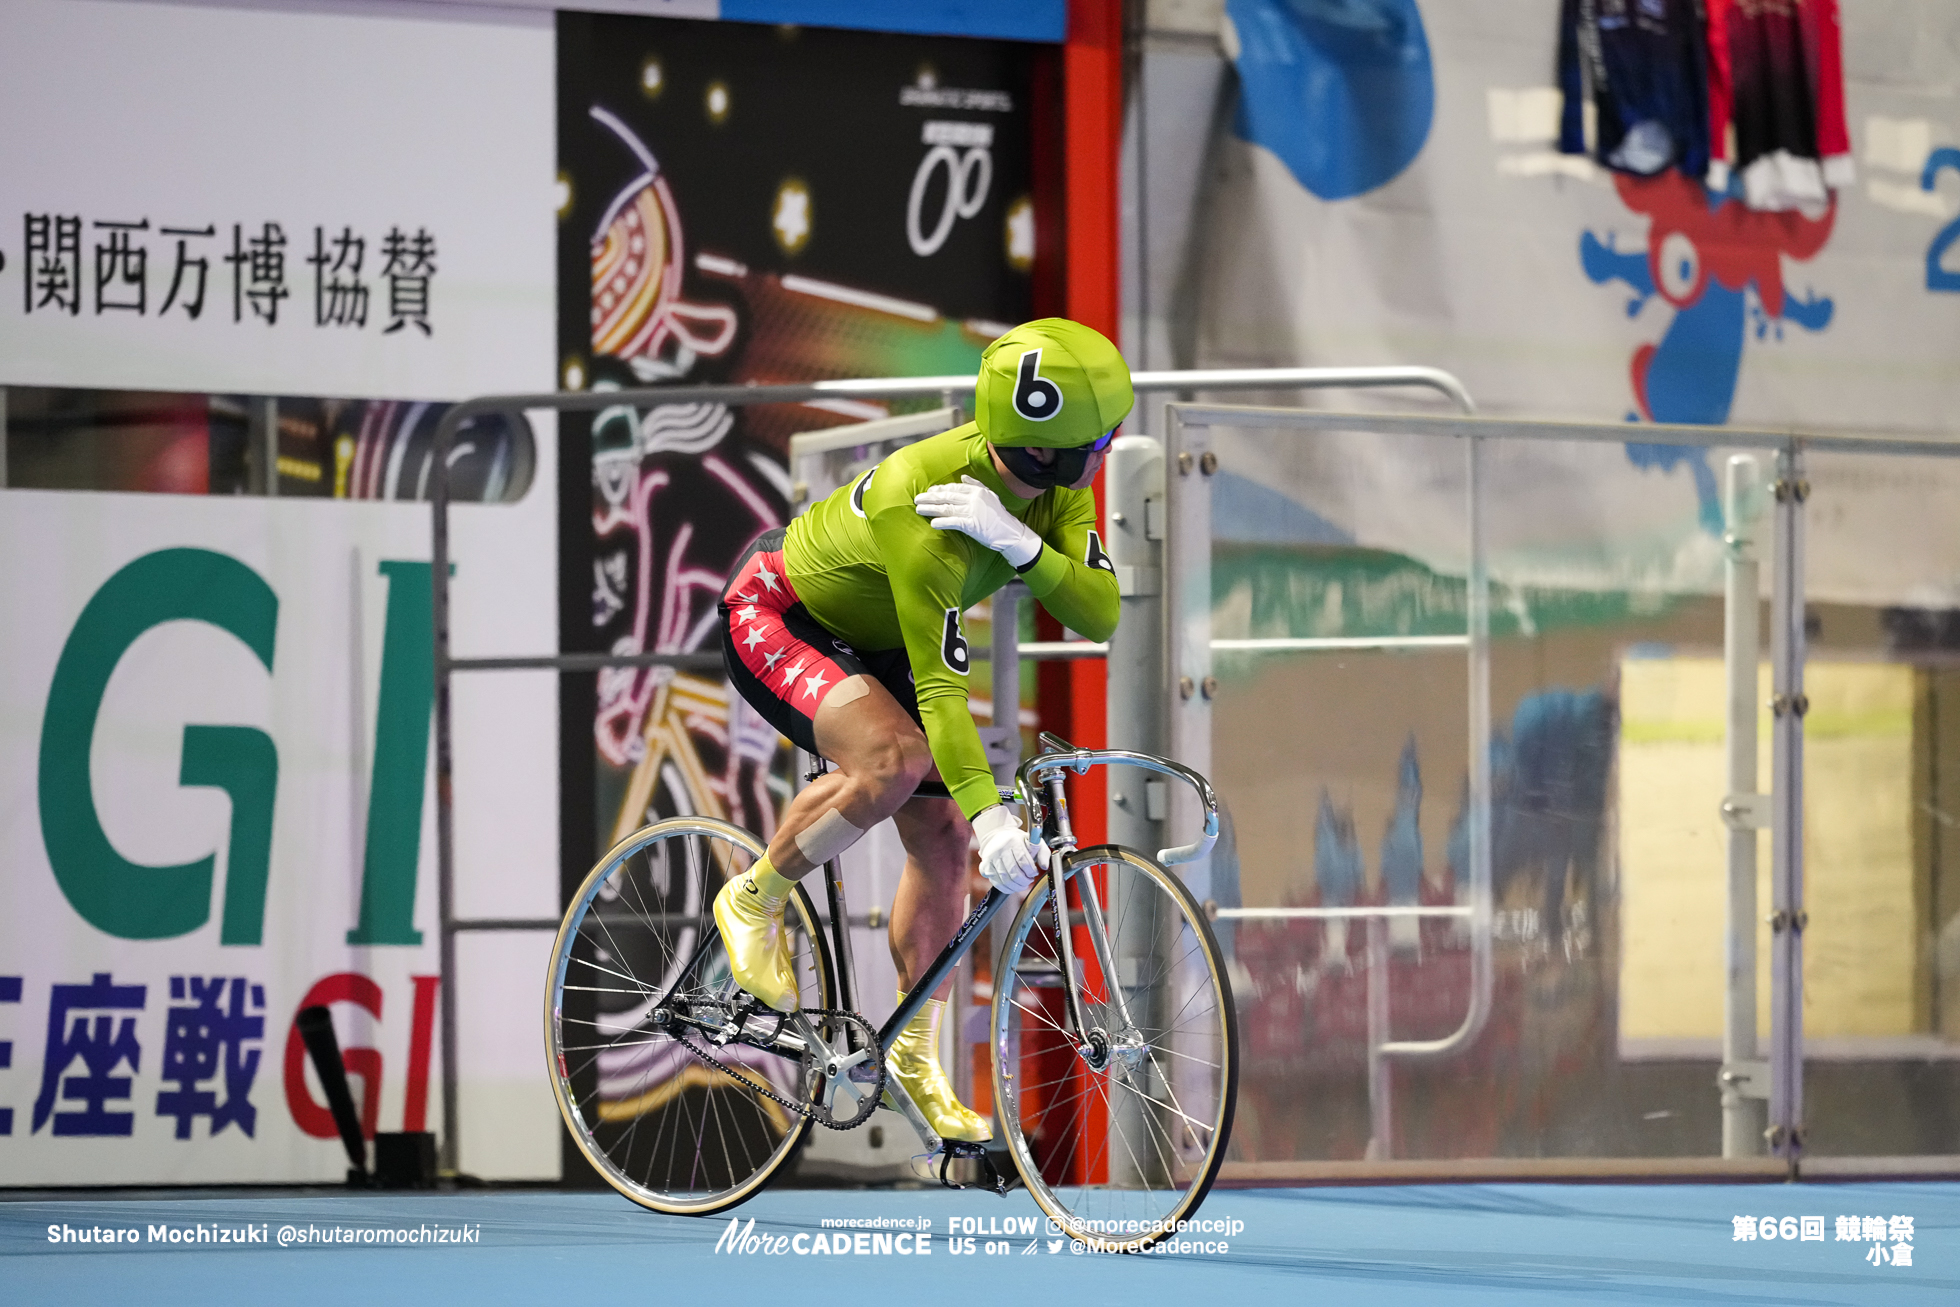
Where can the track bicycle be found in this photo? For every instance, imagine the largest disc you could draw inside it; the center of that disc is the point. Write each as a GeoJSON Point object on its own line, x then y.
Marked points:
{"type": "Point", "coordinates": [1113, 1032]}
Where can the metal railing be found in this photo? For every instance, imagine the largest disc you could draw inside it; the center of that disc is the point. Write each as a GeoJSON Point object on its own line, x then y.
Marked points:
{"type": "Point", "coordinates": [1780, 1078]}
{"type": "Point", "coordinates": [1743, 1077]}
{"type": "Point", "coordinates": [1187, 687]}
{"type": "Point", "coordinates": [948, 388]}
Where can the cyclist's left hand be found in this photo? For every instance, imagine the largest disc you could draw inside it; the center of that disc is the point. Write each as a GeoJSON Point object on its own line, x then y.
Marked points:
{"type": "Point", "coordinates": [972, 509]}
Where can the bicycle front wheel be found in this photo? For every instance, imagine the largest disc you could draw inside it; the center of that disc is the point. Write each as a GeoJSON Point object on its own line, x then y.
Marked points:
{"type": "Point", "coordinates": [639, 948]}
{"type": "Point", "coordinates": [1119, 1128]}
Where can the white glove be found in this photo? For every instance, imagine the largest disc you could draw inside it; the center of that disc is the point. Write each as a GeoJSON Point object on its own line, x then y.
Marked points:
{"type": "Point", "coordinates": [1007, 859]}
{"type": "Point", "coordinates": [974, 510]}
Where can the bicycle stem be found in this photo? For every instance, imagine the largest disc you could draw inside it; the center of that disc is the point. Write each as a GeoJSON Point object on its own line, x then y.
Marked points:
{"type": "Point", "coordinates": [1045, 771]}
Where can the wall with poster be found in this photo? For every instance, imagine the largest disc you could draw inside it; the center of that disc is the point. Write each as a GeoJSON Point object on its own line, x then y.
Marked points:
{"type": "Point", "coordinates": [1459, 236]}
{"type": "Point", "coordinates": [1382, 184]}
{"type": "Point", "coordinates": [215, 728]}
{"type": "Point", "coordinates": [737, 210]}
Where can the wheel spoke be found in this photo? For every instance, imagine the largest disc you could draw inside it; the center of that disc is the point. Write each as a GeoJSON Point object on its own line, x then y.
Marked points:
{"type": "Point", "coordinates": [1171, 1056]}
{"type": "Point", "coordinates": [660, 1122]}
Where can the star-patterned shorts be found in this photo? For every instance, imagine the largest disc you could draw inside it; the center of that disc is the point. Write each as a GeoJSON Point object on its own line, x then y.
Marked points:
{"type": "Point", "coordinates": [782, 659]}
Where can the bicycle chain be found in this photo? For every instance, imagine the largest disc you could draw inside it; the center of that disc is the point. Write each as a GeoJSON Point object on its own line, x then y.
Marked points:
{"type": "Point", "coordinates": [814, 1111]}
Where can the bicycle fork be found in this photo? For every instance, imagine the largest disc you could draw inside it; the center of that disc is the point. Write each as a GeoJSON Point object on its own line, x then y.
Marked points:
{"type": "Point", "coordinates": [1093, 1045]}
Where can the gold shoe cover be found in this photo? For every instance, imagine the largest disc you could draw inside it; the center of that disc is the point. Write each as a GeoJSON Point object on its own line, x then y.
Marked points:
{"type": "Point", "coordinates": [914, 1062]}
{"type": "Point", "coordinates": [757, 940]}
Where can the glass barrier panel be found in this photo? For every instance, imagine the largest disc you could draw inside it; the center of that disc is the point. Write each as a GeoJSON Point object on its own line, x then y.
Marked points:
{"type": "Point", "coordinates": [1346, 774]}
{"type": "Point", "coordinates": [1881, 784]}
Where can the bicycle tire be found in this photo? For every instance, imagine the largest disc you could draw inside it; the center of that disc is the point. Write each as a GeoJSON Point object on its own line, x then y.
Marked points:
{"type": "Point", "coordinates": [714, 1142]}
{"type": "Point", "coordinates": [1182, 1088]}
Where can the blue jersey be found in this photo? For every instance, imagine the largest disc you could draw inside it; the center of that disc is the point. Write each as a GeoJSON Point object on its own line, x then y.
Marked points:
{"type": "Point", "coordinates": [1645, 64]}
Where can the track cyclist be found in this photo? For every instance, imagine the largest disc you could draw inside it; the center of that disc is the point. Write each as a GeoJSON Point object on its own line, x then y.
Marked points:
{"type": "Point", "coordinates": [843, 630]}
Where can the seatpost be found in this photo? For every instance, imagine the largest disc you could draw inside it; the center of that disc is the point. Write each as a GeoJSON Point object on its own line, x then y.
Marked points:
{"type": "Point", "coordinates": [840, 928]}
{"type": "Point", "coordinates": [840, 921]}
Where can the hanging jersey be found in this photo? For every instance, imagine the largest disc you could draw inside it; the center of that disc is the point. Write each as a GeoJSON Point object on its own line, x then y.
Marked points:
{"type": "Point", "coordinates": [1823, 35]}
{"type": "Point", "coordinates": [1644, 64]}
{"type": "Point", "coordinates": [1771, 103]}
{"type": "Point", "coordinates": [871, 569]}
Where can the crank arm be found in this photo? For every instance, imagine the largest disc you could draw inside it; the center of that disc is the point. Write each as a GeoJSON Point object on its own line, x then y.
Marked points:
{"type": "Point", "coordinates": [910, 1111]}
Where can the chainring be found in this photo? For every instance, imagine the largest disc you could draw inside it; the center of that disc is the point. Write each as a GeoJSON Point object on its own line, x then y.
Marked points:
{"type": "Point", "coordinates": [867, 1078]}
{"type": "Point", "coordinates": [816, 1111]}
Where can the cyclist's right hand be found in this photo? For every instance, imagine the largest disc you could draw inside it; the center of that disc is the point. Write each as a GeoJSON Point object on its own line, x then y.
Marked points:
{"type": "Point", "coordinates": [1007, 859]}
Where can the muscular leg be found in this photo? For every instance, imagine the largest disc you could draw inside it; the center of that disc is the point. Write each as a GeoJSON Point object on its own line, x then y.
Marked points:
{"type": "Point", "coordinates": [931, 897]}
{"type": "Point", "coordinates": [880, 755]}
{"type": "Point", "coordinates": [925, 913]}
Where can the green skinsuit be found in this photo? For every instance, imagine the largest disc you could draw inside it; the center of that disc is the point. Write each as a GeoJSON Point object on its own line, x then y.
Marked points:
{"type": "Point", "coordinates": [872, 570]}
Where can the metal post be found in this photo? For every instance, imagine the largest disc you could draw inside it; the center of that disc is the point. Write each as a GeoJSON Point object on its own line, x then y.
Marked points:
{"type": "Point", "coordinates": [1134, 491]}
{"type": "Point", "coordinates": [1788, 705]}
{"type": "Point", "coordinates": [3, 437]}
{"type": "Point", "coordinates": [1381, 1118]}
{"type": "Point", "coordinates": [1133, 535]}
{"type": "Point", "coordinates": [262, 436]}
{"type": "Point", "coordinates": [1744, 1081]}
{"type": "Point", "coordinates": [445, 817]}
{"type": "Point", "coordinates": [1188, 684]}
{"type": "Point", "coordinates": [1003, 740]}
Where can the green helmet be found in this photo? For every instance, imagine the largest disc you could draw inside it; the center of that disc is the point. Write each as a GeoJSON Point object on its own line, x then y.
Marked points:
{"type": "Point", "coordinates": [1052, 383]}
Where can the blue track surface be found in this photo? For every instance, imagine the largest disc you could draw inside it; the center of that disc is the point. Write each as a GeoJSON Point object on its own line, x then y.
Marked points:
{"type": "Point", "coordinates": [1408, 1244]}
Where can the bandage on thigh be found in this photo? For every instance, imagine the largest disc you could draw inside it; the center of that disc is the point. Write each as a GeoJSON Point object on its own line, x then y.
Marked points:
{"type": "Point", "coordinates": [826, 837]}
{"type": "Point", "coordinates": [848, 691]}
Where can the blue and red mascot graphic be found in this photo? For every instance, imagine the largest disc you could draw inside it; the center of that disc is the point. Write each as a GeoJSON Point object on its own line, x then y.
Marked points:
{"type": "Point", "coordinates": [1719, 264]}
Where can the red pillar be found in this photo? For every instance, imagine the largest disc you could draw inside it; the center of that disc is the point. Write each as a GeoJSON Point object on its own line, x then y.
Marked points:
{"type": "Point", "coordinates": [1072, 694]}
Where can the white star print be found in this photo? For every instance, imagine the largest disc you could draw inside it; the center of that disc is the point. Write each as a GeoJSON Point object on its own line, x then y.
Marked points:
{"type": "Point", "coordinates": [767, 578]}
{"type": "Point", "coordinates": [813, 684]}
{"type": "Point", "coordinates": [756, 637]}
{"type": "Point", "coordinates": [769, 660]}
{"type": "Point", "coordinates": [746, 614]}
{"type": "Point", "coordinates": [789, 677]}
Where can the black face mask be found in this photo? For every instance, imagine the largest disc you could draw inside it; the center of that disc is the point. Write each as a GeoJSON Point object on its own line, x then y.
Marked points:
{"type": "Point", "coordinates": [1066, 470]}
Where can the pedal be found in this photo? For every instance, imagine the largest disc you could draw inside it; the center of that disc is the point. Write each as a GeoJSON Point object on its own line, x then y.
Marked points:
{"type": "Point", "coordinates": [994, 1183]}
{"type": "Point", "coordinates": [731, 1026]}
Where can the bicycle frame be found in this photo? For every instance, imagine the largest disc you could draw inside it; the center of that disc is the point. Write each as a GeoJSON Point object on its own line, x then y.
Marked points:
{"type": "Point", "coordinates": [1049, 815]}
{"type": "Point", "coordinates": [1040, 789]}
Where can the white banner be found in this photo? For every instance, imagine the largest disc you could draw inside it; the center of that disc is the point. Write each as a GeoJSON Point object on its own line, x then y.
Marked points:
{"type": "Point", "coordinates": [236, 200]}
{"type": "Point", "coordinates": [215, 743]}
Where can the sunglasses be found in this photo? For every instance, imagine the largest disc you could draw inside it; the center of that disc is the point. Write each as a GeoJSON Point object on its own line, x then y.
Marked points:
{"type": "Point", "coordinates": [1100, 443]}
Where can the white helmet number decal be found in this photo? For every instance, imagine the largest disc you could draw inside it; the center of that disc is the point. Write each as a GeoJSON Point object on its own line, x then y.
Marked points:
{"type": "Point", "coordinates": [1035, 397]}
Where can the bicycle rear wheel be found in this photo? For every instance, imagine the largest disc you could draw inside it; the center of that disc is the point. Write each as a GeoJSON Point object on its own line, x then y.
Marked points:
{"type": "Point", "coordinates": [666, 1128]}
{"type": "Point", "coordinates": [1117, 1144]}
